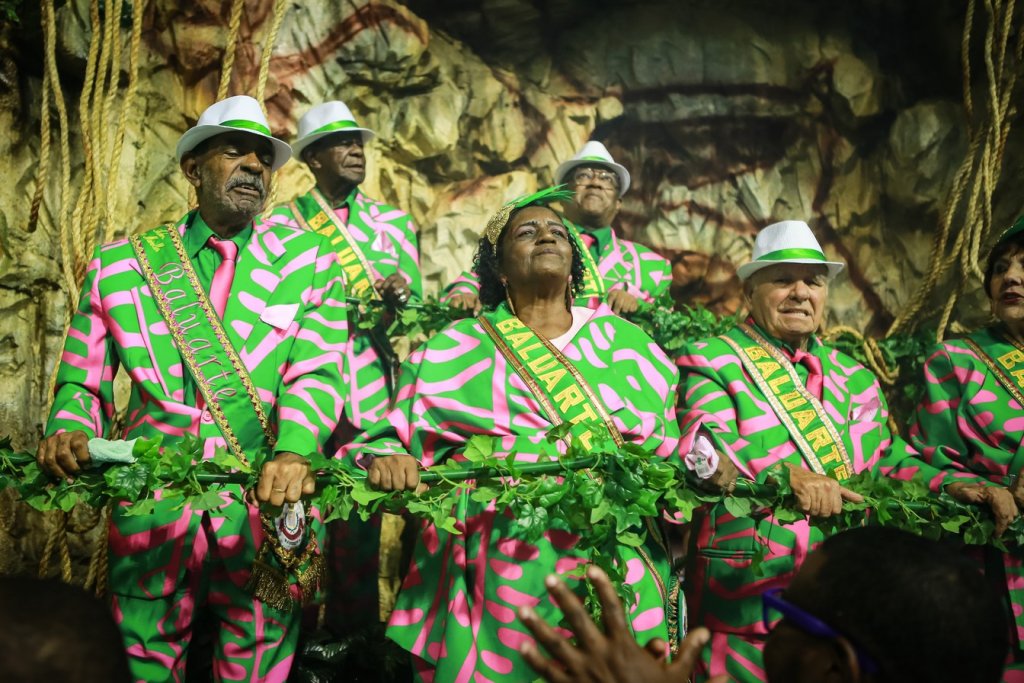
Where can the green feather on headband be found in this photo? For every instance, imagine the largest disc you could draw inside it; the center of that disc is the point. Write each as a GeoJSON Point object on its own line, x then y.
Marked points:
{"type": "Point", "coordinates": [555, 193]}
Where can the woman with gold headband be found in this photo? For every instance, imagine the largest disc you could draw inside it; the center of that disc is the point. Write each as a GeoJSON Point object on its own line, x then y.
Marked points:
{"type": "Point", "coordinates": [529, 362]}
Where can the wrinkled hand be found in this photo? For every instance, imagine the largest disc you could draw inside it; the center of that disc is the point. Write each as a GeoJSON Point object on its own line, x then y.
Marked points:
{"type": "Point", "coordinates": [609, 657]}
{"type": "Point", "coordinates": [470, 302]}
{"type": "Point", "coordinates": [63, 455]}
{"type": "Point", "coordinates": [394, 473]}
{"type": "Point", "coordinates": [285, 479]}
{"type": "Point", "coordinates": [394, 290]}
{"type": "Point", "coordinates": [818, 495]}
{"type": "Point", "coordinates": [622, 301]}
{"type": "Point", "coordinates": [1001, 501]}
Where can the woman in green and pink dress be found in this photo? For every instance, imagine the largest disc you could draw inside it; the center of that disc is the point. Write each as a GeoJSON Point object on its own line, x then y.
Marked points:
{"type": "Point", "coordinates": [971, 421]}
{"type": "Point", "coordinates": [531, 361]}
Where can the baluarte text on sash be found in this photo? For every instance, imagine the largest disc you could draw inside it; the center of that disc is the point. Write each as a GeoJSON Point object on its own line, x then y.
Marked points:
{"type": "Point", "coordinates": [314, 213]}
{"type": "Point", "coordinates": [799, 411]}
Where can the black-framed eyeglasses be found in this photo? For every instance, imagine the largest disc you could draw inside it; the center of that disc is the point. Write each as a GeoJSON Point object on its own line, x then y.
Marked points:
{"type": "Point", "coordinates": [586, 175]}
{"type": "Point", "coordinates": [774, 607]}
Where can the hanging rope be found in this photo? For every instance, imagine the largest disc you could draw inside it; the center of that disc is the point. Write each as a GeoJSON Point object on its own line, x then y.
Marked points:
{"type": "Point", "coordinates": [975, 182]}
{"type": "Point", "coordinates": [43, 173]}
{"type": "Point", "coordinates": [872, 352]}
{"type": "Point", "coordinates": [280, 8]}
{"type": "Point", "coordinates": [111, 224]}
{"type": "Point", "coordinates": [83, 205]}
{"type": "Point", "coordinates": [230, 48]}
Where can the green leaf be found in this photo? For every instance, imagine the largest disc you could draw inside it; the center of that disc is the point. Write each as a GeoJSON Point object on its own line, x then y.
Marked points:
{"type": "Point", "coordinates": [229, 462]}
{"type": "Point", "coordinates": [737, 507]}
{"type": "Point", "coordinates": [208, 500]}
{"type": "Point", "coordinates": [127, 481]}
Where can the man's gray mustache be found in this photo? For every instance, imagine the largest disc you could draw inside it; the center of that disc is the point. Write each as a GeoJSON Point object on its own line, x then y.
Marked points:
{"type": "Point", "coordinates": [255, 183]}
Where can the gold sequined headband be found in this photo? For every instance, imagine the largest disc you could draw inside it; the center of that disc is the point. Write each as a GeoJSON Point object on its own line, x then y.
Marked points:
{"type": "Point", "coordinates": [498, 221]}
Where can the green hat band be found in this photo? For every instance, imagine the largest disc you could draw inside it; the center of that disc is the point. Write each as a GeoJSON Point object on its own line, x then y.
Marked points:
{"type": "Point", "coordinates": [248, 125]}
{"type": "Point", "coordinates": [336, 125]}
{"type": "Point", "coordinates": [595, 158]}
{"type": "Point", "coordinates": [791, 254]}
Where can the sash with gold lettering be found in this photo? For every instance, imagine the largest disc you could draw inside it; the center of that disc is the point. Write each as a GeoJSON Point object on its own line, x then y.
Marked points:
{"type": "Point", "coordinates": [800, 412]}
{"type": "Point", "coordinates": [232, 399]}
{"type": "Point", "coordinates": [1008, 369]}
{"type": "Point", "coordinates": [593, 283]}
{"type": "Point", "coordinates": [551, 377]}
{"type": "Point", "coordinates": [313, 213]}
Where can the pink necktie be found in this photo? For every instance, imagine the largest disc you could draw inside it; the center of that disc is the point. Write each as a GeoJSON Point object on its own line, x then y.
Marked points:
{"type": "Point", "coordinates": [814, 372]}
{"type": "Point", "coordinates": [224, 274]}
{"type": "Point", "coordinates": [221, 286]}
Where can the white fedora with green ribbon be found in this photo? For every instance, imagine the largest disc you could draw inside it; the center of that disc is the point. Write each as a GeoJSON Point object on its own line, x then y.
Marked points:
{"type": "Point", "coordinates": [593, 153]}
{"type": "Point", "coordinates": [787, 242]}
{"type": "Point", "coordinates": [326, 119]}
{"type": "Point", "coordinates": [234, 114]}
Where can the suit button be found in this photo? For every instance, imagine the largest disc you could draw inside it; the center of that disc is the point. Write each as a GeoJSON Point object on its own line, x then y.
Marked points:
{"type": "Point", "coordinates": [207, 417]}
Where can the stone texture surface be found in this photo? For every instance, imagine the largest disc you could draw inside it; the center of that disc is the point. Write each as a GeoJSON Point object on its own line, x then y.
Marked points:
{"type": "Point", "coordinates": [730, 115]}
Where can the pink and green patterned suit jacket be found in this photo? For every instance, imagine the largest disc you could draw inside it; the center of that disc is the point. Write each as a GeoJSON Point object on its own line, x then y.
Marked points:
{"type": "Point", "coordinates": [719, 398]}
{"type": "Point", "coordinates": [287, 318]}
{"type": "Point", "coordinates": [622, 264]}
{"type": "Point", "coordinates": [972, 428]}
{"type": "Point", "coordinates": [391, 246]}
{"type": "Point", "coordinates": [456, 609]}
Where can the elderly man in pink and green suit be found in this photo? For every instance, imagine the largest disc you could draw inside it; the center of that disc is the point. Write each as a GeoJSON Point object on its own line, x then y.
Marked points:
{"type": "Point", "coordinates": [615, 270]}
{"type": "Point", "coordinates": [232, 330]}
{"type": "Point", "coordinates": [378, 249]}
{"type": "Point", "coordinates": [769, 393]}
{"type": "Point", "coordinates": [970, 423]}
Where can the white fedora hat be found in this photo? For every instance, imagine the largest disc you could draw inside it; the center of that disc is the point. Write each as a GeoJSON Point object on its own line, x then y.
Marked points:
{"type": "Point", "coordinates": [231, 115]}
{"type": "Point", "coordinates": [593, 152]}
{"type": "Point", "coordinates": [326, 119]}
{"type": "Point", "coordinates": [787, 242]}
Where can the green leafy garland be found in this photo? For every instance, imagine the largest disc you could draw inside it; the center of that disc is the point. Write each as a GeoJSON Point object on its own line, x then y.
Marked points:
{"type": "Point", "coordinates": [607, 493]}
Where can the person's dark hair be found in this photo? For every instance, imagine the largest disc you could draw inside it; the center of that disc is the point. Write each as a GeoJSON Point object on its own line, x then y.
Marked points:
{"type": "Point", "coordinates": [56, 632]}
{"type": "Point", "coordinates": [921, 608]}
{"type": "Point", "coordinates": [997, 251]}
{"type": "Point", "coordinates": [487, 266]}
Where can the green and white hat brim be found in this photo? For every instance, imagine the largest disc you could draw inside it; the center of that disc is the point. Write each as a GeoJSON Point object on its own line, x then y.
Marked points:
{"type": "Point", "coordinates": [567, 167]}
{"type": "Point", "coordinates": [197, 134]}
{"type": "Point", "coordinates": [796, 255]}
{"type": "Point", "coordinates": [330, 129]}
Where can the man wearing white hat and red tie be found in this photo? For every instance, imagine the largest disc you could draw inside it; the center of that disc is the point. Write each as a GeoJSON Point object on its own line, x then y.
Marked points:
{"type": "Point", "coordinates": [378, 249]}
{"type": "Point", "coordinates": [767, 396]}
{"type": "Point", "coordinates": [233, 331]}
{"type": "Point", "coordinates": [617, 271]}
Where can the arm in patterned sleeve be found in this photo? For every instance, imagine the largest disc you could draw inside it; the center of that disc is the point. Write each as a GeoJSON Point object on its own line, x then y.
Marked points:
{"type": "Point", "coordinates": [705, 407]}
{"type": "Point", "coordinates": [310, 400]}
{"type": "Point", "coordinates": [467, 283]}
{"type": "Point", "coordinates": [409, 259]}
{"type": "Point", "coordinates": [936, 430]}
{"type": "Point", "coordinates": [84, 393]}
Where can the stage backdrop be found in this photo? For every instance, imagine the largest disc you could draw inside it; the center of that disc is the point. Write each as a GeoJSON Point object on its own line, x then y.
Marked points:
{"type": "Point", "coordinates": [729, 115]}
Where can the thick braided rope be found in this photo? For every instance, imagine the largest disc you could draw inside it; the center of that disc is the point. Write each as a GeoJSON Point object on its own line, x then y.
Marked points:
{"type": "Point", "coordinates": [43, 173]}
{"type": "Point", "coordinates": [82, 206]}
{"type": "Point", "coordinates": [978, 176]}
{"type": "Point", "coordinates": [61, 214]}
{"type": "Point", "coordinates": [872, 352]}
{"type": "Point", "coordinates": [111, 225]}
{"type": "Point", "coordinates": [230, 48]}
{"type": "Point", "coordinates": [280, 8]}
{"type": "Point", "coordinates": [96, 577]}
{"type": "Point", "coordinates": [56, 528]}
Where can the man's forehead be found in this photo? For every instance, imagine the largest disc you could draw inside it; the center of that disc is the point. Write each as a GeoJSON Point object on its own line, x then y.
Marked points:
{"type": "Point", "coordinates": [242, 140]}
{"type": "Point", "coordinates": [796, 270]}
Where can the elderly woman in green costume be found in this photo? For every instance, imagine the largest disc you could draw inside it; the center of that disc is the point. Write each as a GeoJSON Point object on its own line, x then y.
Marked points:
{"type": "Point", "coordinates": [530, 362]}
{"type": "Point", "coordinates": [971, 420]}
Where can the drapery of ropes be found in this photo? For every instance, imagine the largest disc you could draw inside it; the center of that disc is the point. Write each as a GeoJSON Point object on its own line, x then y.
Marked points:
{"type": "Point", "coordinates": [230, 48]}
{"type": "Point", "coordinates": [970, 198]}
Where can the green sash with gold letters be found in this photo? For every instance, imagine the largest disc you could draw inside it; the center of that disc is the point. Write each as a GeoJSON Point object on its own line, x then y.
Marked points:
{"type": "Point", "coordinates": [313, 213]}
{"type": "Point", "coordinates": [799, 411]}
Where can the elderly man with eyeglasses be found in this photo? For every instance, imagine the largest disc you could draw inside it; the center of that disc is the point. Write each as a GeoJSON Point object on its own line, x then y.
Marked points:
{"type": "Point", "coordinates": [616, 271]}
{"type": "Point", "coordinates": [871, 605]}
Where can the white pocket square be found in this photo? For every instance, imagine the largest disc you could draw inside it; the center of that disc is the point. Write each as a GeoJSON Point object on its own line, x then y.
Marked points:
{"type": "Point", "coordinates": [279, 315]}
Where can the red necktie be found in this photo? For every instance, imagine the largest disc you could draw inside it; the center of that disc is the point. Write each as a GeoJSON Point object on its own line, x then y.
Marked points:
{"type": "Point", "coordinates": [814, 372]}
{"type": "Point", "coordinates": [224, 274]}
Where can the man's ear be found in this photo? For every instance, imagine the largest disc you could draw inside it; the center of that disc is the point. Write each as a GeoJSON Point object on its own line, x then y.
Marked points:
{"type": "Point", "coordinates": [830, 661]}
{"type": "Point", "coordinates": [848, 662]}
{"type": "Point", "coordinates": [190, 167]}
{"type": "Point", "coordinates": [312, 160]}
